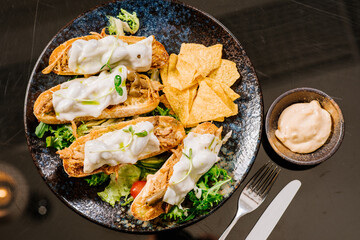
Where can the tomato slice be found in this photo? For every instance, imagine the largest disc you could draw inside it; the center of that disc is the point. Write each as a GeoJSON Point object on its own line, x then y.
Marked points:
{"type": "Point", "coordinates": [136, 188]}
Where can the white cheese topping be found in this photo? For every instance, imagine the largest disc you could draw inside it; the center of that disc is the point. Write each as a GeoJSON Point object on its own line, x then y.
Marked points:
{"type": "Point", "coordinates": [88, 57]}
{"type": "Point", "coordinates": [126, 145]}
{"type": "Point", "coordinates": [304, 127]}
{"type": "Point", "coordinates": [199, 155]}
{"type": "Point", "coordinates": [89, 96]}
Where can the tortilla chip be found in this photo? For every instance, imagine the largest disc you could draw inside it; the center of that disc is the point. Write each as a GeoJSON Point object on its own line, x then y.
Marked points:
{"type": "Point", "coordinates": [180, 73]}
{"type": "Point", "coordinates": [231, 93]}
{"type": "Point", "coordinates": [207, 106]}
{"type": "Point", "coordinates": [180, 101]}
{"type": "Point", "coordinates": [227, 73]}
{"type": "Point", "coordinates": [192, 95]}
{"type": "Point", "coordinates": [190, 48]}
{"type": "Point", "coordinates": [219, 119]}
{"type": "Point", "coordinates": [212, 59]}
{"type": "Point", "coordinates": [172, 74]}
{"type": "Point", "coordinates": [227, 90]}
{"type": "Point", "coordinates": [216, 87]}
{"type": "Point", "coordinates": [204, 59]}
{"type": "Point", "coordinates": [187, 73]}
{"type": "Point", "coordinates": [164, 74]}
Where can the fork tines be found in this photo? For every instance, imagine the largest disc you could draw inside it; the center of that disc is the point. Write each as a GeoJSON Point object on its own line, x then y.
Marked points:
{"type": "Point", "coordinates": [263, 179]}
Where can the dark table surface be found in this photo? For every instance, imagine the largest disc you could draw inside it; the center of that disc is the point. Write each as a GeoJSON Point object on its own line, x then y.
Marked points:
{"type": "Point", "coordinates": [290, 43]}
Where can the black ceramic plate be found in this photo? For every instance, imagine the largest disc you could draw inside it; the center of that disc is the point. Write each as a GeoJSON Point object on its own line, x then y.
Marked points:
{"type": "Point", "coordinates": [172, 23]}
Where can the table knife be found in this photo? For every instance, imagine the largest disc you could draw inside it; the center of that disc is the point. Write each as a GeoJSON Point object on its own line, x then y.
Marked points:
{"type": "Point", "coordinates": [274, 211]}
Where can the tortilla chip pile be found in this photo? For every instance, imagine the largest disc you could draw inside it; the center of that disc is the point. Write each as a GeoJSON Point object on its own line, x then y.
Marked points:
{"type": "Point", "coordinates": [197, 84]}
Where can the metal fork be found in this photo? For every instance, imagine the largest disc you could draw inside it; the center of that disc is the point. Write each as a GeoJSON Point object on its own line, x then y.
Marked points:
{"type": "Point", "coordinates": [254, 193]}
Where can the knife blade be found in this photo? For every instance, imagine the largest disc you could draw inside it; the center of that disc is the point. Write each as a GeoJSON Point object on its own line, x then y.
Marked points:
{"type": "Point", "coordinates": [274, 211]}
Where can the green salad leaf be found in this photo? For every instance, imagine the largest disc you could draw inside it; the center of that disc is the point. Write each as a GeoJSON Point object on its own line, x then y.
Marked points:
{"type": "Point", "coordinates": [163, 112]}
{"type": "Point", "coordinates": [41, 129]}
{"type": "Point", "coordinates": [176, 213]}
{"type": "Point", "coordinates": [120, 187]}
{"type": "Point", "coordinates": [115, 26]}
{"type": "Point", "coordinates": [60, 137]}
{"type": "Point", "coordinates": [131, 19]}
{"type": "Point", "coordinates": [209, 185]}
{"type": "Point", "coordinates": [151, 165]}
{"type": "Point", "coordinates": [97, 179]}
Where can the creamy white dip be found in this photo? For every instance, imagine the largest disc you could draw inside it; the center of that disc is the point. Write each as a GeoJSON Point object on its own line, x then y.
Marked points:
{"type": "Point", "coordinates": [304, 127]}
{"type": "Point", "coordinates": [126, 145]}
{"type": "Point", "coordinates": [89, 57]}
{"type": "Point", "coordinates": [199, 155]}
{"type": "Point", "coordinates": [89, 96]}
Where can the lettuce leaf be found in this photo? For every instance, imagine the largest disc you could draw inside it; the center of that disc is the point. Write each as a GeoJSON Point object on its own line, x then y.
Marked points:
{"type": "Point", "coordinates": [120, 187]}
{"type": "Point", "coordinates": [60, 136]}
{"type": "Point", "coordinates": [97, 179]}
{"type": "Point", "coordinates": [41, 129]}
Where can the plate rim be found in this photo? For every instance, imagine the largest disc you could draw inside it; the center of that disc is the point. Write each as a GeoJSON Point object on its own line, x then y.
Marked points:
{"type": "Point", "coordinates": [198, 218]}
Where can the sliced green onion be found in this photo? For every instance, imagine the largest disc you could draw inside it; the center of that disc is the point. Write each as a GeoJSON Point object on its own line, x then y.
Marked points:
{"type": "Point", "coordinates": [90, 102]}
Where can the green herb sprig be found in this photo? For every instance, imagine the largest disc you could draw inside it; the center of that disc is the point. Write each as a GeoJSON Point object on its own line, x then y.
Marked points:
{"type": "Point", "coordinates": [107, 64]}
{"type": "Point", "coordinates": [142, 133]}
{"type": "Point", "coordinates": [117, 83]}
{"type": "Point", "coordinates": [122, 146]}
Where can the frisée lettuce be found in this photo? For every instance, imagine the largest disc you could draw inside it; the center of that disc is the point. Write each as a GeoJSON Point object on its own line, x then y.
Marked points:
{"type": "Point", "coordinates": [200, 200]}
{"type": "Point", "coordinates": [124, 22]}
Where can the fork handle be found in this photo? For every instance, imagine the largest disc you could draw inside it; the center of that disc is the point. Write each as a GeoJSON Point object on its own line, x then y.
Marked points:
{"type": "Point", "coordinates": [239, 214]}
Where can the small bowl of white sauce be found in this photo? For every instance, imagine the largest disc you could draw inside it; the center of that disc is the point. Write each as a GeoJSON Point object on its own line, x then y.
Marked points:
{"type": "Point", "coordinates": [304, 126]}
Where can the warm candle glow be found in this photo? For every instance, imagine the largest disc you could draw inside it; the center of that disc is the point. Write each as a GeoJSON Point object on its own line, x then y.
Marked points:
{"type": "Point", "coordinates": [3, 192]}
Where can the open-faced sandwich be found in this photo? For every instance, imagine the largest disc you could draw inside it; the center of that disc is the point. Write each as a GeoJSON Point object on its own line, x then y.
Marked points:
{"type": "Point", "coordinates": [180, 173]}
{"type": "Point", "coordinates": [90, 54]}
{"type": "Point", "coordinates": [105, 150]}
{"type": "Point", "coordinates": [115, 94]}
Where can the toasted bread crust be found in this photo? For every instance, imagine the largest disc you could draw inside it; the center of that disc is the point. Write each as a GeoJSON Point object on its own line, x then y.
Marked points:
{"type": "Point", "coordinates": [58, 60]}
{"type": "Point", "coordinates": [159, 182]}
{"type": "Point", "coordinates": [168, 130]}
